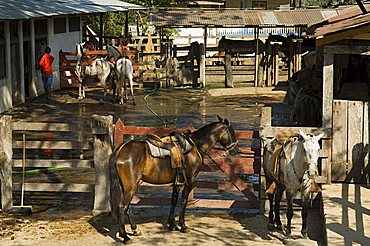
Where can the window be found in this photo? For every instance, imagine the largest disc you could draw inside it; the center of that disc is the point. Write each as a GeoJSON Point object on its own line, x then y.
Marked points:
{"type": "Point", "coordinates": [74, 24]}
{"type": "Point", "coordinates": [259, 5]}
{"type": "Point", "coordinates": [41, 27]}
{"type": "Point", "coordinates": [60, 25]}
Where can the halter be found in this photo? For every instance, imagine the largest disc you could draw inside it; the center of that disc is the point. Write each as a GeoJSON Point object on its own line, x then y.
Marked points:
{"type": "Point", "coordinates": [305, 162]}
{"type": "Point", "coordinates": [231, 146]}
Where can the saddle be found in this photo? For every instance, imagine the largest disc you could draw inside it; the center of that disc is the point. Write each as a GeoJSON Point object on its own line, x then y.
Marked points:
{"type": "Point", "coordinates": [87, 60]}
{"type": "Point", "coordinates": [281, 139]}
{"type": "Point", "coordinates": [175, 146]}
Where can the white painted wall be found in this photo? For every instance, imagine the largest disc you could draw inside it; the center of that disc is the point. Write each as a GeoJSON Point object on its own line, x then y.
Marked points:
{"type": "Point", "coordinates": [64, 41]}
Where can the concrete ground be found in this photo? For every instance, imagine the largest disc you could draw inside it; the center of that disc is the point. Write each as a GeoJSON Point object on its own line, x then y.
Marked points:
{"type": "Point", "coordinates": [347, 214]}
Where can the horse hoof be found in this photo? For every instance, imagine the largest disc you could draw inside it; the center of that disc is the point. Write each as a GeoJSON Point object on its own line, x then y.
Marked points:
{"type": "Point", "coordinates": [270, 226]}
{"type": "Point", "coordinates": [127, 241]}
{"type": "Point", "coordinates": [184, 230]}
{"type": "Point", "coordinates": [279, 227]}
{"type": "Point", "coordinates": [136, 233]}
{"type": "Point", "coordinates": [172, 227]}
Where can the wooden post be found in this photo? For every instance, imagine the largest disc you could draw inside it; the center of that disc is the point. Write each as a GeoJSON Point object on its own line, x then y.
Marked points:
{"type": "Point", "coordinates": [276, 64]}
{"type": "Point", "coordinates": [202, 66]}
{"type": "Point", "coordinates": [6, 156]}
{"type": "Point", "coordinates": [328, 83]}
{"type": "Point", "coordinates": [269, 64]}
{"type": "Point", "coordinates": [102, 129]}
{"type": "Point", "coordinates": [228, 70]}
{"type": "Point", "coordinates": [101, 30]}
{"type": "Point", "coordinates": [256, 59]}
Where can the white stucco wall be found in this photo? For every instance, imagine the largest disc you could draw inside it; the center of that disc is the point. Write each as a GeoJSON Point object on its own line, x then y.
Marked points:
{"type": "Point", "coordinates": [64, 41]}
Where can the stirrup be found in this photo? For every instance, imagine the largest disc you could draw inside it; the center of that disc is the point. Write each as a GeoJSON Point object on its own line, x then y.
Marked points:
{"type": "Point", "coordinates": [179, 180]}
{"type": "Point", "coordinates": [271, 189]}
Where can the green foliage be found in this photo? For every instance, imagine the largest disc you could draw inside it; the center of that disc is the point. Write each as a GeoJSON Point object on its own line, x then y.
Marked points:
{"type": "Point", "coordinates": [114, 22]}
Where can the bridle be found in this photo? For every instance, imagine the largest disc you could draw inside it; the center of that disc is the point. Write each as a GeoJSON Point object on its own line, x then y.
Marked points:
{"type": "Point", "coordinates": [230, 146]}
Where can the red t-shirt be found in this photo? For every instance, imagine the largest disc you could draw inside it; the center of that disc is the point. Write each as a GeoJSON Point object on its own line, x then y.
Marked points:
{"type": "Point", "coordinates": [46, 62]}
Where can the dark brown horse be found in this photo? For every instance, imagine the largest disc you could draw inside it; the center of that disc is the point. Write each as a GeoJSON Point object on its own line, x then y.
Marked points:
{"type": "Point", "coordinates": [132, 161]}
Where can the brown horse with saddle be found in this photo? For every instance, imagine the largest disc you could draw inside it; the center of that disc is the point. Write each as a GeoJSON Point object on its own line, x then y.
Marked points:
{"type": "Point", "coordinates": [134, 161]}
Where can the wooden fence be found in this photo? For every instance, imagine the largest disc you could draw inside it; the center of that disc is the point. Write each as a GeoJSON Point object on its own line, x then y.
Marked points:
{"type": "Point", "coordinates": [73, 147]}
{"type": "Point", "coordinates": [45, 145]}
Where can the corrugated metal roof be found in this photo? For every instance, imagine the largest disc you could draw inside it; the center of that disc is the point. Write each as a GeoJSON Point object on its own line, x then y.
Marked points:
{"type": "Point", "coordinates": [343, 25]}
{"type": "Point", "coordinates": [27, 9]}
{"type": "Point", "coordinates": [240, 18]}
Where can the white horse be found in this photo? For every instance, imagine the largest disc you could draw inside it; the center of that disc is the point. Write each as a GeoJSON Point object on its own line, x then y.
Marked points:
{"type": "Point", "coordinates": [290, 163]}
{"type": "Point", "coordinates": [123, 70]}
{"type": "Point", "coordinates": [99, 67]}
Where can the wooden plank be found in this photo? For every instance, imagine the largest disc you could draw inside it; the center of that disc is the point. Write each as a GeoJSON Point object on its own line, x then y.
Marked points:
{"type": "Point", "coordinates": [339, 142]}
{"type": "Point", "coordinates": [73, 163]}
{"type": "Point", "coordinates": [366, 140]}
{"type": "Point", "coordinates": [326, 162]}
{"type": "Point", "coordinates": [240, 166]}
{"type": "Point", "coordinates": [328, 92]}
{"type": "Point", "coordinates": [55, 187]}
{"type": "Point", "coordinates": [222, 185]}
{"type": "Point", "coordinates": [355, 141]}
{"type": "Point", "coordinates": [41, 126]}
{"type": "Point", "coordinates": [270, 132]}
{"type": "Point", "coordinates": [196, 203]}
{"type": "Point", "coordinates": [53, 145]}
{"type": "Point", "coordinates": [242, 186]}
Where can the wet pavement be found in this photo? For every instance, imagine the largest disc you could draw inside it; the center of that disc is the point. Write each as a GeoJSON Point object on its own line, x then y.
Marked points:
{"type": "Point", "coordinates": [170, 107]}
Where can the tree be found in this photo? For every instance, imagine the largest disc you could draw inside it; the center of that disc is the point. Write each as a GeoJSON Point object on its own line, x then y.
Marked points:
{"type": "Point", "coordinates": [114, 22]}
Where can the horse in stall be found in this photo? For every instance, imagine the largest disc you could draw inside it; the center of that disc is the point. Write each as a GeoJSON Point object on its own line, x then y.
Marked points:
{"type": "Point", "coordinates": [305, 92]}
{"type": "Point", "coordinates": [133, 161]}
{"type": "Point", "coordinates": [236, 47]}
{"type": "Point", "coordinates": [99, 67]}
{"type": "Point", "coordinates": [123, 70]}
{"type": "Point", "coordinates": [290, 163]}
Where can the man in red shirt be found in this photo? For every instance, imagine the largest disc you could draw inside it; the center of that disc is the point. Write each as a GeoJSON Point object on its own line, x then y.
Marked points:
{"type": "Point", "coordinates": [45, 63]}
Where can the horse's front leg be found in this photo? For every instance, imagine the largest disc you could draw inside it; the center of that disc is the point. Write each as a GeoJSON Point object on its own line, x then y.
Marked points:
{"type": "Point", "coordinates": [289, 213]}
{"type": "Point", "coordinates": [278, 195]}
{"type": "Point", "coordinates": [80, 91]}
{"type": "Point", "coordinates": [171, 217]}
{"type": "Point", "coordinates": [270, 225]}
{"type": "Point", "coordinates": [184, 202]}
{"type": "Point", "coordinates": [304, 213]}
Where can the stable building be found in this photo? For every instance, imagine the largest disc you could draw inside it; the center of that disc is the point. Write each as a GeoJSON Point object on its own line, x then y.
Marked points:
{"type": "Point", "coordinates": [27, 27]}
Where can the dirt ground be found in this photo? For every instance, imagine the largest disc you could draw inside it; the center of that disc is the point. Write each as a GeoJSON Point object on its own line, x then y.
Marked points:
{"type": "Point", "coordinates": [61, 224]}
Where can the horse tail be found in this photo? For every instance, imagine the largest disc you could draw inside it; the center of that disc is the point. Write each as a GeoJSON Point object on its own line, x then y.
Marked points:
{"type": "Point", "coordinates": [116, 187]}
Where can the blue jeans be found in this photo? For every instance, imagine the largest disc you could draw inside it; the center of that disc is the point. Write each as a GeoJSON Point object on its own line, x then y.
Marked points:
{"type": "Point", "coordinates": [47, 79]}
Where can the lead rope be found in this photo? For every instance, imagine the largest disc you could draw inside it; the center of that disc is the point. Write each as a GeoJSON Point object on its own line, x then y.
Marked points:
{"type": "Point", "coordinates": [154, 113]}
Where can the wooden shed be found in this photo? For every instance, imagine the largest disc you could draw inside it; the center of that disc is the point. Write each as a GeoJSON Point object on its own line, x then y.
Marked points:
{"type": "Point", "coordinates": [345, 44]}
